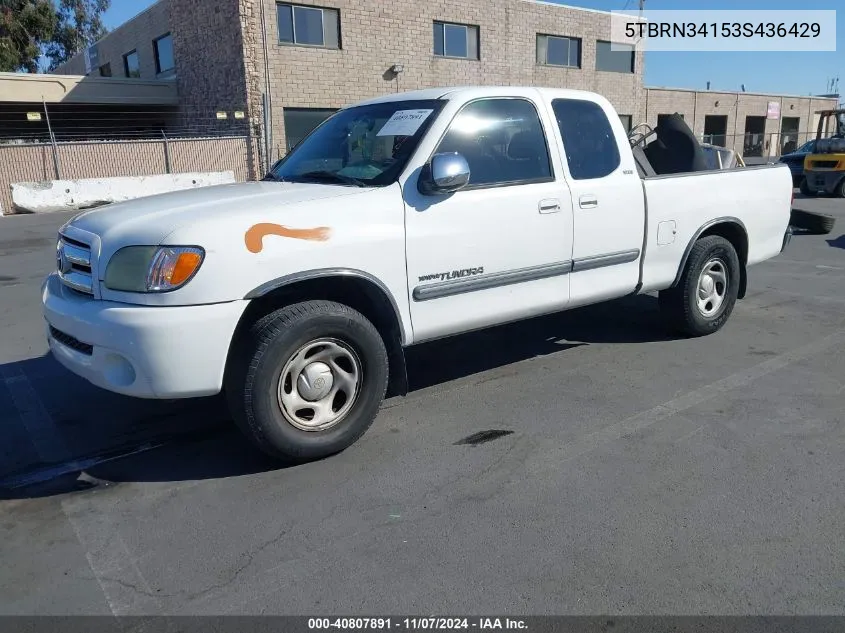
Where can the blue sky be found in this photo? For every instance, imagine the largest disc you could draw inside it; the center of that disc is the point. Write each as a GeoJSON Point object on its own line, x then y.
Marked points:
{"type": "Point", "coordinates": [787, 73]}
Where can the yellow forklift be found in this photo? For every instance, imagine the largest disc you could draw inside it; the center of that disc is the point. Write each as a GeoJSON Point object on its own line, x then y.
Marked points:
{"type": "Point", "coordinates": [824, 167]}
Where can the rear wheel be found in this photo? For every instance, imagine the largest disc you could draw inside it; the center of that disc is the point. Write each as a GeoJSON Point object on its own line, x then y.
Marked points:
{"type": "Point", "coordinates": [308, 380]}
{"type": "Point", "coordinates": [840, 189]}
{"type": "Point", "coordinates": [704, 298]}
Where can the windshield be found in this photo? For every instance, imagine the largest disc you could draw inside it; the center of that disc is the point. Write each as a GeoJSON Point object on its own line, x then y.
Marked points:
{"type": "Point", "coordinates": [363, 146]}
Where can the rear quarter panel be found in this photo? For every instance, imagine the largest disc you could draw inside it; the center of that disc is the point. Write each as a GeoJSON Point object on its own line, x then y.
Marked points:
{"type": "Point", "coordinates": [760, 198]}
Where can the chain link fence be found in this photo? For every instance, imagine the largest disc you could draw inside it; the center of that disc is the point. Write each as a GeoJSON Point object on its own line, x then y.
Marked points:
{"type": "Point", "coordinates": [43, 143]}
{"type": "Point", "coordinates": [762, 147]}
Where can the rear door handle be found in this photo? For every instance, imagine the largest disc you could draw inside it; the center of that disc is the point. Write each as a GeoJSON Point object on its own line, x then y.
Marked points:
{"type": "Point", "coordinates": [588, 201]}
{"type": "Point", "coordinates": [550, 205]}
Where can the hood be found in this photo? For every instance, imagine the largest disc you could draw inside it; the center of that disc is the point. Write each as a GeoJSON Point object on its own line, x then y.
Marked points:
{"type": "Point", "coordinates": [151, 219]}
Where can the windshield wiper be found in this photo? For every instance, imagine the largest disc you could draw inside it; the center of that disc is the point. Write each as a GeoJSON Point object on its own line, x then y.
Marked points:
{"type": "Point", "coordinates": [330, 176]}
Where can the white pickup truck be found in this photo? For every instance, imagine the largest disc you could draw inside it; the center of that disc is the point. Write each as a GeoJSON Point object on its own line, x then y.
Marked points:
{"type": "Point", "coordinates": [400, 220]}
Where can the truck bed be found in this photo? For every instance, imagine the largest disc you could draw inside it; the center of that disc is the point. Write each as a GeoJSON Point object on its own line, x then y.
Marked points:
{"type": "Point", "coordinates": [681, 206]}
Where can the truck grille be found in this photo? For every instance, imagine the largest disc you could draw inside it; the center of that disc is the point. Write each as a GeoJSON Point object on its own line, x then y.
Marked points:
{"type": "Point", "coordinates": [71, 342]}
{"type": "Point", "coordinates": [73, 262]}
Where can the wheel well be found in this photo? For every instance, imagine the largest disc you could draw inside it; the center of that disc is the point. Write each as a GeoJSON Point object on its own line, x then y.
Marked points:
{"type": "Point", "coordinates": [355, 292]}
{"type": "Point", "coordinates": [738, 238]}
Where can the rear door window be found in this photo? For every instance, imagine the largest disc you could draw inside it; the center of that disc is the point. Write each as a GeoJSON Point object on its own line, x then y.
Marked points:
{"type": "Point", "coordinates": [588, 139]}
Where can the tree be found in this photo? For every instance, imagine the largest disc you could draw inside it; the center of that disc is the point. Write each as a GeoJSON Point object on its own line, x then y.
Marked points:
{"type": "Point", "coordinates": [25, 27]}
{"type": "Point", "coordinates": [78, 25]}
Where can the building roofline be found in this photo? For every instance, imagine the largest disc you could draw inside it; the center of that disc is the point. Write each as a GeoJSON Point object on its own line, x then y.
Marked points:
{"type": "Point", "coordinates": [739, 92]}
{"type": "Point", "coordinates": [547, 3]}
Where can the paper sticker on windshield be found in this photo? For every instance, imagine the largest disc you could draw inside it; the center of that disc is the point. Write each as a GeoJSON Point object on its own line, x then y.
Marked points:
{"type": "Point", "coordinates": [404, 123]}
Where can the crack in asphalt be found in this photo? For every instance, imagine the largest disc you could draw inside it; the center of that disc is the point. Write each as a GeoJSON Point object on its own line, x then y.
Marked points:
{"type": "Point", "coordinates": [233, 576]}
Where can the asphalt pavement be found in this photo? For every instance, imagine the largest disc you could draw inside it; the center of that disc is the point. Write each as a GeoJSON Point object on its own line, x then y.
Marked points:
{"type": "Point", "coordinates": [626, 471]}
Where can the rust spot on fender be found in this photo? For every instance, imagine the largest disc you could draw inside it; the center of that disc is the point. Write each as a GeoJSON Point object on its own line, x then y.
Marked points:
{"type": "Point", "coordinates": [254, 237]}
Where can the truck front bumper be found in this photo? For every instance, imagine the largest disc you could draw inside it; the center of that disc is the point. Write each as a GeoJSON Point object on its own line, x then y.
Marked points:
{"type": "Point", "coordinates": [141, 351]}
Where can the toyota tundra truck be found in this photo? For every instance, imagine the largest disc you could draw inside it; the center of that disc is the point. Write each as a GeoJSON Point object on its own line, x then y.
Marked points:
{"type": "Point", "coordinates": [400, 220]}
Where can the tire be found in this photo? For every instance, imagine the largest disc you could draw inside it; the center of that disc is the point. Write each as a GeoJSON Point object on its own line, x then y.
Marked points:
{"type": "Point", "coordinates": [804, 187]}
{"type": "Point", "coordinates": [295, 340]}
{"type": "Point", "coordinates": [840, 190]}
{"type": "Point", "coordinates": [680, 305]}
{"type": "Point", "coordinates": [818, 223]}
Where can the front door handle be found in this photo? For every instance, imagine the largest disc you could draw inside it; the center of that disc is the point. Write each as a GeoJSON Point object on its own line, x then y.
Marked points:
{"type": "Point", "coordinates": [550, 205]}
{"type": "Point", "coordinates": [588, 201]}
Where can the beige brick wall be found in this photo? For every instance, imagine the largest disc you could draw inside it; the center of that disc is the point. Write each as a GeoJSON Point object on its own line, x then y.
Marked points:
{"type": "Point", "coordinates": [209, 48]}
{"type": "Point", "coordinates": [695, 106]}
{"type": "Point", "coordinates": [376, 34]}
{"type": "Point", "coordinates": [137, 34]}
{"type": "Point", "coordinates": [223, 49]}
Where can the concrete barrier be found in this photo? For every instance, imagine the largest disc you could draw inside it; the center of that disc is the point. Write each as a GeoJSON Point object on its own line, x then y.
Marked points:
{"type": "Point", "coordinates": [71, 195]}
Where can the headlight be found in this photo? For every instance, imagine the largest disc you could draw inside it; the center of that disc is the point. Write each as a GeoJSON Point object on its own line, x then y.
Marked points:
{"type": "Point", "coordinates": [152, 268]}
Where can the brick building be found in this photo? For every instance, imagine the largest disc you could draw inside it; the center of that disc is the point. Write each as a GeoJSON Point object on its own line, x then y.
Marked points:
{"type": "Point", "coordinates": [299, 61]}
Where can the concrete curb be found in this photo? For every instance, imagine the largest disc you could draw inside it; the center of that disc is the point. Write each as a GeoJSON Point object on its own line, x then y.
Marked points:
{"type": "Point", "coordinates": [51, 196]}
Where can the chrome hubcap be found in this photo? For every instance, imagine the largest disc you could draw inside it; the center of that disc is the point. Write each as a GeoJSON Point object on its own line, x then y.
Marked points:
{"type": "Point", "coordinates": [319, 384]}
{"type": "Point", "coordinates": [712, 287]}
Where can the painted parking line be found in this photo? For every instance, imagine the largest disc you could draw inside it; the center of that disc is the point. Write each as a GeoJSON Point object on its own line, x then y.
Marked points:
{"type": "Point", "coordinates": [661, 412]}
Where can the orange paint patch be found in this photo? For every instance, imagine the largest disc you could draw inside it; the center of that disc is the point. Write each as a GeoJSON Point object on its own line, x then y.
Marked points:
{"type": "Point", "coordinates": [254, 237]}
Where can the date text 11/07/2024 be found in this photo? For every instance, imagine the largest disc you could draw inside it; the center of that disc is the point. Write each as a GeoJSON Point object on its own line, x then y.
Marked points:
{"type": "Point", "coordinates": [423, 623]}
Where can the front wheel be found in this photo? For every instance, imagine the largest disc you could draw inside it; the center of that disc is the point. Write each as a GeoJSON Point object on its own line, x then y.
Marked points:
{"type": "Point", "coordinates": [704, 298]}
{"type": "Point", "coordinates": [307, 380]}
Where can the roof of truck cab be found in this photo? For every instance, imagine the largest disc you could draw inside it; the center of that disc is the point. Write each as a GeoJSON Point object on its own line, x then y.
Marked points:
{"type": "Point", "coordinates": [447, 92]}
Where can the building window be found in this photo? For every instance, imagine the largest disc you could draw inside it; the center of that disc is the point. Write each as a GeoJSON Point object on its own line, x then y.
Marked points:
{"type": "Point", "coordinates": [131, 64]}
{"type": "Point", "coordinates": [789, 134]}
{"type": "Point", "coordinates": [588, 140]}
{"type": "Point", "coordinates": [627, 121]}
{"type": "Point", "coordinates": [308, 26]}
{"type": "Point", "coordinates": [105, 70]}
{"type": "Point", "coordinates": [455, 40]}
{"type": "Point", "coordinates": [502, 140]}
{"type": "Point", "coordinates": [614, 61]}
{"type": "Point", "coordinates": [558, 51]}
{"type": "Point", "coordinates": [716, 129]}
{"type": "Point", "coordinates": [300, 122]}
{"type": "Point", "coordinates": [163, 47]}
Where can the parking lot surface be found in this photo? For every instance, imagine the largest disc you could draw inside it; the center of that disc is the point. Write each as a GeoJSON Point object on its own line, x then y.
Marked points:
{"type": "Point", "coordinates": [636, 472]}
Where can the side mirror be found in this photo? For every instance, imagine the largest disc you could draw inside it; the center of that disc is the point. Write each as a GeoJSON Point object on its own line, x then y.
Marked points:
{"type": "Point", "coordinates": [446, 173]}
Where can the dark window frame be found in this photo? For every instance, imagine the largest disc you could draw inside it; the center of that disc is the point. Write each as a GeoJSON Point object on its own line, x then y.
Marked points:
{"type": "Point", "coordinates": [126, 57]}
{"type": "Point", "coordinates": [579, 63]}
{"type": "Point", "coordinates": [565, 155]}
{"type": "Point", "coordinates": [552, 177]}
{"type": "Point", "coordinates": [633, 70]}
{"type": "Point", "coordinates": [159, 69]}
{"type": "Point", "coordinates": [444, 24]}
{"type": "Point", "coordinates": [630, 125]}
{"type": "Point", "coordinates": [293, 6]}
{"type": "Point", "coordinates": [106, 66]}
